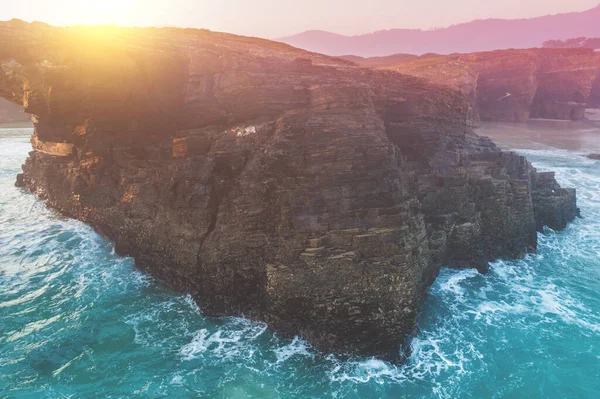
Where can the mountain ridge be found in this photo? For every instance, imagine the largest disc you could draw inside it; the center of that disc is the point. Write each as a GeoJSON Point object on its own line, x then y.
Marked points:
{"type": "Point", "coordinates": [473, 36]}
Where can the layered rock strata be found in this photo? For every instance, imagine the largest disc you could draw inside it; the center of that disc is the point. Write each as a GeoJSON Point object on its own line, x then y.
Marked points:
{"type": "Point", "coordinates": [594, 101]}
{"type": "Point", "coordinates": [513, 85]}
{"type": "Point", "coordinates": [267, 181]}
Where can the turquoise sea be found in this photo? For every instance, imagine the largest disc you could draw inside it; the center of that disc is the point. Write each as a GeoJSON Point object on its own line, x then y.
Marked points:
{"type": "Point", "coordinates": [79, 321]}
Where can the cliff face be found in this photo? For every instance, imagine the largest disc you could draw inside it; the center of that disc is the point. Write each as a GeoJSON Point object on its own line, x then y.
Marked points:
{"type": "Point", "coordinates": [513, 85]}
{"type": "Point", "coordinates": [594, 101]}
{"type": "Point", "coordinates": [267, 181]}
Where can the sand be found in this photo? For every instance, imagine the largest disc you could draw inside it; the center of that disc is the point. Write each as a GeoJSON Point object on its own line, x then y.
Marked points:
{"type": "Point", "coordinates": [582, 137]}
{"type": "Point", "coordinates": [16, 125]}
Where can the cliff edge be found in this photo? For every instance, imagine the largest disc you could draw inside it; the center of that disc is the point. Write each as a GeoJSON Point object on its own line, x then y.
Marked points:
{"type": "Point", "coordinates": [511, 85]}
{"type": "Point", "coordinates": [267, 181]}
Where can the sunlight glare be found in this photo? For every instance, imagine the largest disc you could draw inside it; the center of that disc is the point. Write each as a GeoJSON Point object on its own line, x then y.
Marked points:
{"type": "Point", "coordinates": [106, 12]}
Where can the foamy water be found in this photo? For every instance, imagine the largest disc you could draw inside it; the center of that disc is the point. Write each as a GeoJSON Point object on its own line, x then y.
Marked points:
{"type": "Point", "coordinates": [76, 320]}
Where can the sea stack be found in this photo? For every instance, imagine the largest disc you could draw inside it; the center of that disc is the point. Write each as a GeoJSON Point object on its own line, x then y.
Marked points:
{"type": "Point", "coordinates": [266, 181]}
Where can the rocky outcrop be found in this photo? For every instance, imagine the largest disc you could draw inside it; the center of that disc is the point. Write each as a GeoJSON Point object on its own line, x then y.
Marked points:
{"type": "Point", "coordinates": [267, 181]}
{"type": "Point", "coordinates": [594, 101]}
{"type": "Point", "coordinates": [513, 85]}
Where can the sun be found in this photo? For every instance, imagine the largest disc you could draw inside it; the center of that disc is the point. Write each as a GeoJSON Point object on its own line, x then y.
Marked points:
{"type": "Point", "coordinates": [105, 12]}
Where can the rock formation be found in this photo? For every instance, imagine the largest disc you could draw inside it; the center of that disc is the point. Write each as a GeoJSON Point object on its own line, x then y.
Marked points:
{"type": "Point", "coordinates": [512, 85]}
{"type": "Point", "coordinates": [594, 101]}
{"type": "Point", "coordinates": [267, 181]}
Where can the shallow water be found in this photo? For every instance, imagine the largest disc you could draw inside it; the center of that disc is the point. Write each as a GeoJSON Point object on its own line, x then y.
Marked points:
{"type": "Point", "coordinates": [579, 137]}
{"type": "Point", "coordinates": [76, 320]}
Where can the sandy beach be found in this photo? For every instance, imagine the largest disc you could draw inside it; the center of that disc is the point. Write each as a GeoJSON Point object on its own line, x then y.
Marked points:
{"type": "Point", "coordinates": [16, 125]}
{"type": "Point", "coordinates": [581, 137]}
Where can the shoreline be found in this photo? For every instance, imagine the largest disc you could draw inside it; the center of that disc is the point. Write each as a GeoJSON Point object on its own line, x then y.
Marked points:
{"type": "Point", "coordinates": [536, 135]}
{"type": "Point", "coordinates": [16, 125]}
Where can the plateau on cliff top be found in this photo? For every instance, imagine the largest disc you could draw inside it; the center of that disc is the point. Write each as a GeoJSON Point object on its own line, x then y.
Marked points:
{"type": "Point", "coordinates": [271, 182]}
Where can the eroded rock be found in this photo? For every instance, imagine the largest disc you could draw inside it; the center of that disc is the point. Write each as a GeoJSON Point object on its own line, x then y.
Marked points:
{"type": "Point", "coordinates": [513, 85]}
{"type": "Point", "coordinates": [594, 100]}
{"type": "Point", "coordinates": [271, 182]}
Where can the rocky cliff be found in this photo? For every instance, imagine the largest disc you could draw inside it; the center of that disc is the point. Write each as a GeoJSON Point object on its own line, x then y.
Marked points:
{"type": "Point", "coordinates": [594, 100]}
{"type": "Point", "coordinates": [267, 181]}
{"type": "Point", "coordinates": [512, 85]}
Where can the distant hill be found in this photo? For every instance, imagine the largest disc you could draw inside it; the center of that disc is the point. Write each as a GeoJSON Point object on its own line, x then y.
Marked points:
{"type": "Point", "coordinates": [479, 35]}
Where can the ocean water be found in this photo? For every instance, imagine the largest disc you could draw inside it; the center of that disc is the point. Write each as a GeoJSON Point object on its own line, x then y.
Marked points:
{"type": "Point", "coordinates": [79, 321]}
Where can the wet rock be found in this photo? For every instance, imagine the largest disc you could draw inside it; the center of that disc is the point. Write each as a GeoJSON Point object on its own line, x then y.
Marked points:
{"type": "Point", "coordinates": [270, 182]}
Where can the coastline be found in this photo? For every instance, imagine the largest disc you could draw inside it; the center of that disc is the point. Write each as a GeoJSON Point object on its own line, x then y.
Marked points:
{"type": "Point", "coordinates": [16, 125]}
{"type": "Point", "coordinates": [581, 137]}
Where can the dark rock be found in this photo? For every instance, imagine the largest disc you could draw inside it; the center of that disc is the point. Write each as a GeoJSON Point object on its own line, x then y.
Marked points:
{"type": "Point", "coordinates": [594, 156]}
{"type": "Point", "coordinates": [20, 182]}
{"type": "Point", "coordinates": [594, 101]}
{"type": "Point", "coordinates": [553, 206]}
{"type": "Point", "coordinates": [266, 181]}
{"type": "Point", "coordinates": [513, 85]}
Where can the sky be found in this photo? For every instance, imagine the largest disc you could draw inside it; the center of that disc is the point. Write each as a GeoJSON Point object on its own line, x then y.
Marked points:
{"type": "Point", "coordinates": [272, 19]}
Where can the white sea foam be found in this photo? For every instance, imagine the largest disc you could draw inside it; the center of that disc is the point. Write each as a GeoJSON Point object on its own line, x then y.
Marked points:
{"type": "Point", "coordinates": [177, 380]}
{"type": "Point", "coordinates": [365, 371]}
{"type": "Point", "coordinates": [453, 283]}
{"type": "Point", "coordinates": [232, 340]}
{"type": "Point", "coordinates": [192, 304]}
{"type": "Point", "coordinates": [298, 347]}
{"type": "Point", "coordinates": [492, 311]}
